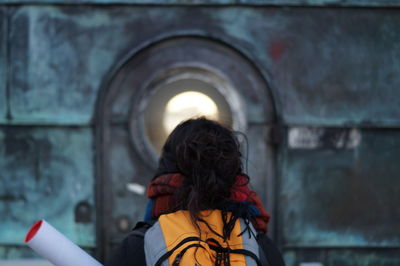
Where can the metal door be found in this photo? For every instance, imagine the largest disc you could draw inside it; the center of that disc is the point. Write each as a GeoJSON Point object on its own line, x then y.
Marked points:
{"type": "Point", "coordinates": [131, 112]}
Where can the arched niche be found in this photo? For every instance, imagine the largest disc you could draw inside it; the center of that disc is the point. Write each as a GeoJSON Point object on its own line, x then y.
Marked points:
{"type": "Point", "coordinates": [131, 106]}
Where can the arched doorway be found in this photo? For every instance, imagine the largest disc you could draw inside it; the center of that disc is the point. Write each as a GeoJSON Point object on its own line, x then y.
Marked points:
{"type": "Point", "coordinates": [134, 117]}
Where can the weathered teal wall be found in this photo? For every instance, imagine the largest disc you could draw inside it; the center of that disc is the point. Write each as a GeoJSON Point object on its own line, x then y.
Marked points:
{"type": "Point", "coordinates": [330, 3]}
{"type": "Point", "coordinates": [326, 67]}
{"type": "Point", "coordinates": [45, 173]}
{"type": "Point", "coordinates": [58, 59]}
{"type": "Point", "coordinates": [337, 67]}
{"type": "Point", "coordinates": [322, 65]}
{"type": "Point", "coordinates": [341, 196]}
{"type": "Point", "coordinates": [3, 63]}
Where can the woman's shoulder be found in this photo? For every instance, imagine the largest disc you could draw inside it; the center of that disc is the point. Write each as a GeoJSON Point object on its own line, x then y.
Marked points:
{"type": "Point", "coordinates": [270, 250]}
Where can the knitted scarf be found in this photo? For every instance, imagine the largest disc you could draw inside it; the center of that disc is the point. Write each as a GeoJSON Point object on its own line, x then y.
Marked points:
{"type": "Point", "coordinates": [161, 190]}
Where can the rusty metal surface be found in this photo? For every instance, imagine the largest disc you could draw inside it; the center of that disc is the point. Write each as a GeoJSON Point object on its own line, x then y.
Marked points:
{"type": "Point", "coordinates": [324, 66]}
{"type": "Point", "coordinates": [45, 173]}
{"type": "Point", "coordinates": [342, 197]}
{"type": "Point", "coordinates": [58, 58]}
{"type": "Point", "coordinates": [337, 67]}
{"type": "Point", "coordinates": [81, 43]}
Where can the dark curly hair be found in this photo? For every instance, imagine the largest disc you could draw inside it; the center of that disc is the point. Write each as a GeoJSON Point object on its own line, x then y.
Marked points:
{"type": "Point", "coordinates": [208, 155]}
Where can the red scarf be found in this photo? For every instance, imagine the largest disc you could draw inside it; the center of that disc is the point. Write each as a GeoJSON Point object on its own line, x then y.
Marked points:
{"type": "Point", "coordinates": [162, 188]}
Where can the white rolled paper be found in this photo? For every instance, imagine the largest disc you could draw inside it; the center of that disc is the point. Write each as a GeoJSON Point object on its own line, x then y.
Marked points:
{"type": "Point", "coordinates": [55, 247]}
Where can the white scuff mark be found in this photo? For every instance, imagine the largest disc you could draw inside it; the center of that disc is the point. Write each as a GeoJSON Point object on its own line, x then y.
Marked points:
{"type": "Point", "coordinates": [319, 137]}
{"type": "Point", "coordinates": [311, 264]}
{"type": "Point", "coordinates": [304, 138]}
{"type": "Point", "coordinates": [354, 139]}
{"type": "Point", "coordinates": [136, 188]}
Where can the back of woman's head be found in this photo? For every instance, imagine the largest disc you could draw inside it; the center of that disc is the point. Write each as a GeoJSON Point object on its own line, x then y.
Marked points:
{"type": "Point", "coordinates": [207, 155]}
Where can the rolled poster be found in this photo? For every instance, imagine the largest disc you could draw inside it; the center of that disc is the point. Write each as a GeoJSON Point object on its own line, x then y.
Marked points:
{"type": "Point", "coordinates": [55, 247]}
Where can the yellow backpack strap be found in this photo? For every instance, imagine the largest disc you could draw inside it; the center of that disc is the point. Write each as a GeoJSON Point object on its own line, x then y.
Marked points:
{"type": "Point", "coordinates": [173, 236]}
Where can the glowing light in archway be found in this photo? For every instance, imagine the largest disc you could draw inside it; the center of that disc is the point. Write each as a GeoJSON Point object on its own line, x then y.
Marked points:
{"type": "Point", "coordinates": [187, 105]}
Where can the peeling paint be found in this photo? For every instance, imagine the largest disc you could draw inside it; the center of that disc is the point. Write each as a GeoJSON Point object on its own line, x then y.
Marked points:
{"type": "Point", "coordinates": [313, 138]}
{"type": "Point", "coordinates": [277, 48]}
{"type": "Point", "coordinates": [136, 188]}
